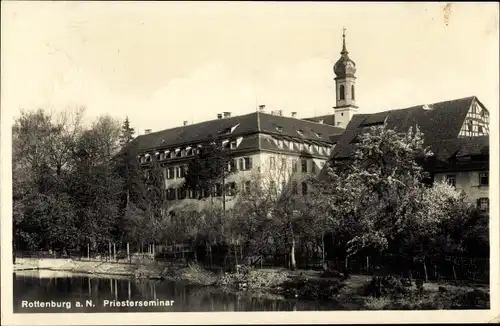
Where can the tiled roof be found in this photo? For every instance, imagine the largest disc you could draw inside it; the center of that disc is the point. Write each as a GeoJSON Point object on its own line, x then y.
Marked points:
{"type": "Point", "coordinates": [441, 121]}
{"type": "Point", "coordinates": [252, 123]}
{"type": "Point", "coordinates": [460, 147]}
{"type": "Point", "coordinates": [328, 119]}
{"type": "Point", "coordinates": [460, 154]}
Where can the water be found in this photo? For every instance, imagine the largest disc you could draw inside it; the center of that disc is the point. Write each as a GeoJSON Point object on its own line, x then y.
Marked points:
{"type": "Point", "coordinates": [62, 292]}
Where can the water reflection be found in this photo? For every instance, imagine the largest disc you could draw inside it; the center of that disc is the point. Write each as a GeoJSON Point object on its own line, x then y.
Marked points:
{"type": "Point", "coordinates": [33, 286]}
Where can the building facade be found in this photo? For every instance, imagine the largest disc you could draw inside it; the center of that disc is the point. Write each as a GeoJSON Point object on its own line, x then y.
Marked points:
{"type": "Point", "coordinates": [456, 132]}
{"type": "Point", "coordinates": [279, 150]}
{"type": "Point", "coordinates": [464, 164]}
{"type": "Point", "coordinates": [270, 147]}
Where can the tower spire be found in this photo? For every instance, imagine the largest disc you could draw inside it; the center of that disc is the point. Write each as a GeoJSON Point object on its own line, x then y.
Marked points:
{"type": "Point", "coordinates": [344, 48]}
{"type": "Point", "coordinates": [345, 86]}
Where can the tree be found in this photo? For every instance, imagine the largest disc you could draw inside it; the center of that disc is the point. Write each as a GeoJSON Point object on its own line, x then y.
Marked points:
{"type": "Point", "coordinates": [207, 173]}
{"type": "Point", "coordinates": [208, 168]}
{"type": "Point", "coordinates": [42, 146]}
{"type": "Point", "coordinates": [127, 133]}
{"type": "Point", "coordinates": [252, 224]}
{"type": "Point", "coordinates": [268, 215]}
{"type": "Point", "coordinates": [377, 200]}
{"type": "Point", "coordinates": [95, 184]}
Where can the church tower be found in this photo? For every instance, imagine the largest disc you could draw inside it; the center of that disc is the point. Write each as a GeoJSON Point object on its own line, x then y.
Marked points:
{"type": "Point", "coordinates": [345, 86]}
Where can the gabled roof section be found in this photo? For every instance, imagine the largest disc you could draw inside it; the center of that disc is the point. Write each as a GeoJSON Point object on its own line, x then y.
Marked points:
{"type": "Point", "coordinates": [293, 127]}
{"type": "Point", "coordinates": [236, 126]}
{"type": "Point", "coordinates": [199, 132]}
{"type": "Point", "coordinates": [438, 121]}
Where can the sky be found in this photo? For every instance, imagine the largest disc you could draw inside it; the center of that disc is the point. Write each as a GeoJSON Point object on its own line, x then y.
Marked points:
{"type": "Point", "coordinates": [162, 63]}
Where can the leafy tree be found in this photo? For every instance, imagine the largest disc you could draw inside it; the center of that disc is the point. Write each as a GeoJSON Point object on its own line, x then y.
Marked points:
{"type": "Point", "coordinates": [376, 199]}
{"type": "Point", "coordinates": [208, 168]}
{"type": "Point", "coordinates": [268, 216]}
{"type": "Point", "coordinates": [42, 146]}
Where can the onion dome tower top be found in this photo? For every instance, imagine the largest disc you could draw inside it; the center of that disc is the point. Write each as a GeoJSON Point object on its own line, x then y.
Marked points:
{"type": "Point", "coordinates": [345, 66]}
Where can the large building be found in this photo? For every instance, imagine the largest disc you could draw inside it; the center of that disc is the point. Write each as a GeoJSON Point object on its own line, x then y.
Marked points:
{"type": "Point", "coordinates": [286, 149]}
{"type": "Point", "coordinates": [281, 148]}
{"type": "Point", "coordinates": [456, 132]}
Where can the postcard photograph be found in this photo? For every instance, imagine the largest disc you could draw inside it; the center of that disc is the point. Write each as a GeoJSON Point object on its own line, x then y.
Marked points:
{"type": "Point", "coordinates": [278, 162]}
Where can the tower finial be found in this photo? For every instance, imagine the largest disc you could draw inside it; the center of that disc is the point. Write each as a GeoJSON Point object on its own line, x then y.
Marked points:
{"type": "Point", "coordinates": [344, 48]}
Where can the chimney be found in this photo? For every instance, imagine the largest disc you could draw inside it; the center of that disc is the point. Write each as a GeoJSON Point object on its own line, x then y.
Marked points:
{"type": "Point", "coordinates": [294, 114]}
{"type": "Point", "coordinates": [147, 131]}
{"type": "Point", "coordinates": [262, 107]}
{"type": "Point", "coordinates": [219, 115]}
{"type": "Point", "coordinates": [185, 123]}
{"type": "Point", "coordinates": [227, 114]}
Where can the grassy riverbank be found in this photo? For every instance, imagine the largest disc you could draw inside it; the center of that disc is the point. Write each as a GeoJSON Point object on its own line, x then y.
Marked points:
{"type": "Point", "coordinates": [352, 293]}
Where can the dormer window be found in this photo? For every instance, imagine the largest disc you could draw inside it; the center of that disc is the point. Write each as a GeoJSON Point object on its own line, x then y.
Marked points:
{"type": "Point", "coordinates": [280, 129]}
{"type": "Point", "coordinates": [300, 132]}
{"type": "Point", "coordinates": [234, 127]}
{"type": "Point", "coordinates": [148, 158]}
{"type": "Point", "coordinates": [317, 134]}
{"type": "Point", "coordinates": [233, 144]}
{"type": "Point", "coordinates": [226, 131]}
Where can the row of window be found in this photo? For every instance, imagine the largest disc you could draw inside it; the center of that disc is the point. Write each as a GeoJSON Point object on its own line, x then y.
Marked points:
{"type": "Point", "coordinates": [237, 164]}
{"type": "Point", "coordinates": [182, 152]}
{"type": "Point", "coordinates": [451, 179]}
{"type": "Point", "coordinates": [297, 146]}
{"type": "Point", "coordinates": [231, 190]}
{"type": "Point", "coordinates": [294, 187]}
{"type": "Point", "coordinates": [303, 163]}
{"type": "Point", "coordinates": [181, 193]}
{"type": "Point", "coordinates": [281, 143]}
{"type": "Point", "coordinates": [245, 164]}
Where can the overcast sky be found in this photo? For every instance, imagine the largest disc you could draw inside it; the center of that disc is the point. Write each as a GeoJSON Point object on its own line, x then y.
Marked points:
{"type": "Point", "coordinates": [161, 63]}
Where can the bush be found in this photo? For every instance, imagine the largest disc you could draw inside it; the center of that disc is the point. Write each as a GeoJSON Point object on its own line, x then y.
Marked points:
{"type": "Point", "coordinates": [253, 279]}
{"type": "Point", "coordinates": [194, 273]}
{"type": "Point", "coordinates": [372, 303]}
{"type": "Point", "coordinates": [386, 286]}
{"type": "Point", "coordinates": [311, 288]}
